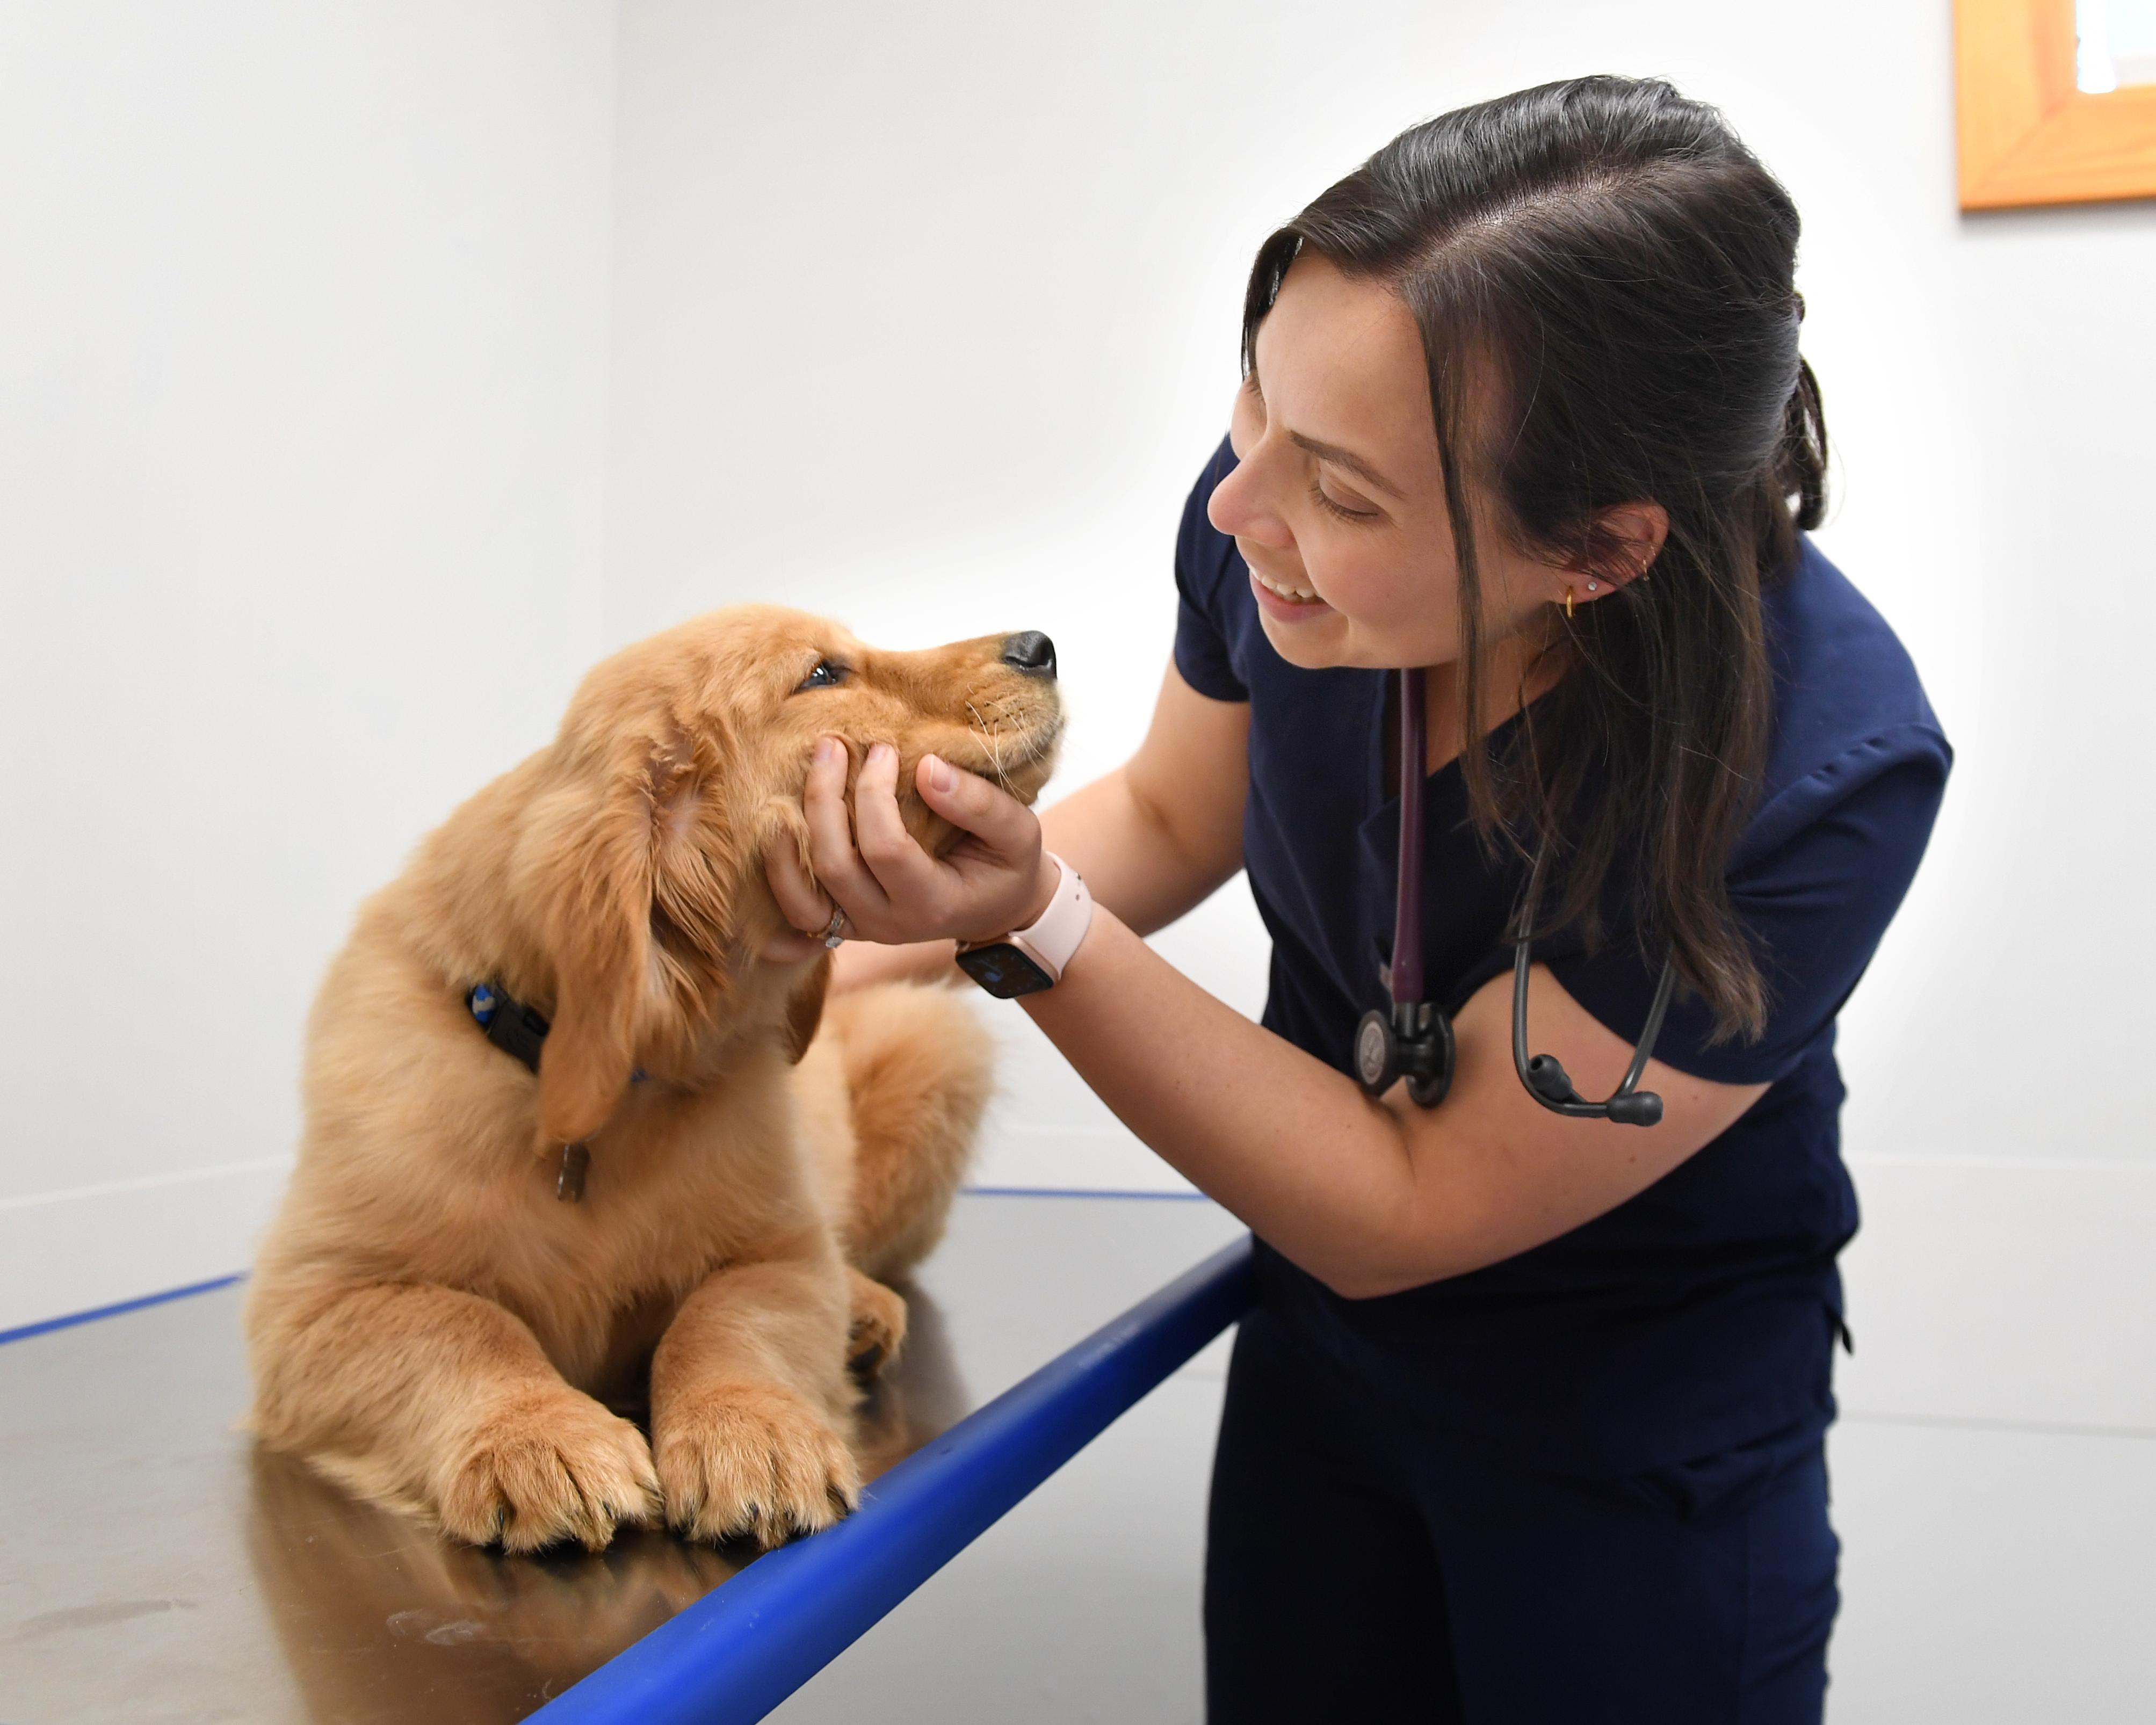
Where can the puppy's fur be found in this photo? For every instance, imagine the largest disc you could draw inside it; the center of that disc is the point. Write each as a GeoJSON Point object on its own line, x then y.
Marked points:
{"type": "Point", "coordinates": [428, 1323]}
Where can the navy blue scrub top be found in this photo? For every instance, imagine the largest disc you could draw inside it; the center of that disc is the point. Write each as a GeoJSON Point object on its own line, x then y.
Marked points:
{"type": "Point", "coordinates": [1701, 1315]}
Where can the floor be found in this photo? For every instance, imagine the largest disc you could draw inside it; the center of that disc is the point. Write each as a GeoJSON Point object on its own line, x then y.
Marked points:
{"type": "Point", "coordinates": [1992, 1571]}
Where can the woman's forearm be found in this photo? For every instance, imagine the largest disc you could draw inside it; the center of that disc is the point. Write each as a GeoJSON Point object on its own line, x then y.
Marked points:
{"type": "Point", "coordinates": [1281, 1140]}
{"type": "Point", "coordinates": [1368, 1197]}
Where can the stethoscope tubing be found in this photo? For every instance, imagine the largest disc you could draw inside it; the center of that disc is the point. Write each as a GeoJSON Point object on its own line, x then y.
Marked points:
{"type": "Point", "coordinates": [1543, 1077]}
{"type": "Point", "coordinates": [1414, 1040]}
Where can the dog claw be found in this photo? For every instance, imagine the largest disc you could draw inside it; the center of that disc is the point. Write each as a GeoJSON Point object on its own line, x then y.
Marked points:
{"type": "Point", "coordinates": [546, 1473]}
{"type": "Point", "coordinates": [755, 1463]}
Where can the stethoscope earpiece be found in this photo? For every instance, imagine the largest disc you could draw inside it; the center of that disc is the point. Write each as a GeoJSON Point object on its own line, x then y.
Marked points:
{"type": "Point", "coordinates": [1413, 1038]}
{"type": "Point", "coordinates": [1547, 1079]}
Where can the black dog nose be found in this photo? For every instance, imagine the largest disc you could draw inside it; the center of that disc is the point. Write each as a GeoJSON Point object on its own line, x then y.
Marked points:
{"type": "Point", "coordinates": [1032, 653]}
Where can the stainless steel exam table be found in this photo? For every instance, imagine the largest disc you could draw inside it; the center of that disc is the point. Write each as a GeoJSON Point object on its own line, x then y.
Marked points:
{"type": "Point", "coordinates": [156, 1566]}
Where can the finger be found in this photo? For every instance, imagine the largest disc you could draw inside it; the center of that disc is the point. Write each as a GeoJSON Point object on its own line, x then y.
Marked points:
{"type": "Point", "coordinates": [901, 867]}
{"type": "Point", "coordinates": [838, 867]}
{"type": "Point", "coordinates": [1003, 823]}
{"type": "Point", "coordinates": [801, 901]}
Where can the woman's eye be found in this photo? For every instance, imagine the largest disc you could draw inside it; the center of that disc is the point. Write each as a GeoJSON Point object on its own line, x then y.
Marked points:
{"type": "Point", "coordinates": [1332, 507]}
{"type": "Point", "coordinates": [826, 675]}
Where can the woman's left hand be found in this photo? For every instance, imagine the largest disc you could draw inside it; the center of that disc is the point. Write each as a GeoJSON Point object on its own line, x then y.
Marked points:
{"type": "Point", "coordinates": [995, 878]}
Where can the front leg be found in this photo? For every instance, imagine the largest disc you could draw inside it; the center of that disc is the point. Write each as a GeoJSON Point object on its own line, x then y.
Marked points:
{"type": "Point", "coordinates": [434, 1399]}
{"type": "Point", "coordinates": [749, 1396]}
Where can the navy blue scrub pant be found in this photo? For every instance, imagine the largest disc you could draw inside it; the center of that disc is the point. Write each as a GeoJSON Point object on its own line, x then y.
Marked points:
{"type": "Point", "coordinates": [1359, 1570]}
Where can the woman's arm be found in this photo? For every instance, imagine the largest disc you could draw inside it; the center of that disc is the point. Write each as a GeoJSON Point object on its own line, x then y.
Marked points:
{"type": "Point", "coordinates": [1157, 836]}
{"type": "Point", "coordinates": [1370, 1198]}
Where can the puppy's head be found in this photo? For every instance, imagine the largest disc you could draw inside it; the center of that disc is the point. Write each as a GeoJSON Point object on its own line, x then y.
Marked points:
{"type": "Point", "coordinates": [639, 867]}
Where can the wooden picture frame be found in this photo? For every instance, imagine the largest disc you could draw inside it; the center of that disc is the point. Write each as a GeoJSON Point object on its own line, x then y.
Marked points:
{"type": "Point", "coordinates": [2028, 134]}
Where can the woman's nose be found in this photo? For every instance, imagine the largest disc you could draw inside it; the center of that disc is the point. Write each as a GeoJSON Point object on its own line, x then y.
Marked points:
{"type": "Point", "coordinates": [1238, 510]}
{"type": "Point", "coordinates": [1030, 652]}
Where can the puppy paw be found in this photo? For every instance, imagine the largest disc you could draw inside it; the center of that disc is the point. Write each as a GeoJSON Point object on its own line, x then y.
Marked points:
{"type": "Point", "coordinates": [755, 1461]}
{"type": "Point", "coordinates": [878, 1323]}
{"type": "Point", "coordinates": [546, 1469]}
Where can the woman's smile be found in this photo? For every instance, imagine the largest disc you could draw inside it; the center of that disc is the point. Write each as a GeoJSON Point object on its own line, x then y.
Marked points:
{"type": "Point", "coordinates": [1289, 603]}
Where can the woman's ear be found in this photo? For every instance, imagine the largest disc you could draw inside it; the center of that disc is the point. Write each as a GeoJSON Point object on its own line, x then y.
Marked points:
{"type": "Point", "coordinates": [1622, 544]}
{"type": "Point", "coordinates": [585, 861]}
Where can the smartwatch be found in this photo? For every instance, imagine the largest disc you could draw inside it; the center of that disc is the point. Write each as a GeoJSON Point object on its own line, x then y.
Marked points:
{"type": "Point", "coordinates": [1032, 959]}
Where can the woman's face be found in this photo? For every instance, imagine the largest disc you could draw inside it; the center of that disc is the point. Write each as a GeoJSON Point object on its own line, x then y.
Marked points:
{"type": "Point", "coordinates": [1337, 501]}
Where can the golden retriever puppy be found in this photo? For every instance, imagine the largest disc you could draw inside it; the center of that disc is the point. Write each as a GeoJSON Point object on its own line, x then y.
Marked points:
{"type": "Point", "coordinates": [430, 1323]}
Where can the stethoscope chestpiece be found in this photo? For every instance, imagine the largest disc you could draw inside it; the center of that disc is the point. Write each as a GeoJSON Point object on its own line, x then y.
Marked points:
{"type": "Point", "coordinates": [1412, 1041]}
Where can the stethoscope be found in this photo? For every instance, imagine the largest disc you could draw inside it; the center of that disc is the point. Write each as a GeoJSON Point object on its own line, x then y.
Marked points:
{"type": "Point", "coordinates": [1413, 1040]}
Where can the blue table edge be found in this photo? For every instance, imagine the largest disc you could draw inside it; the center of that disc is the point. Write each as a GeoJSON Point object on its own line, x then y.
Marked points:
{"type": "Point", "coordinates": [740, 1651]}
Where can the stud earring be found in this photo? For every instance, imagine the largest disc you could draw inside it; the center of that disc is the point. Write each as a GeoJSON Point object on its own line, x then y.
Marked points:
{"type": "Point", "coordinates": [1590, 587]}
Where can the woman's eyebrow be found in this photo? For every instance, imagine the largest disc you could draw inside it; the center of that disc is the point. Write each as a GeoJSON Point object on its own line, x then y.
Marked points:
{"type": "Point", "coordinates": [1328, 452]}
{"type": "Point", "coordinates": [1347, 459]}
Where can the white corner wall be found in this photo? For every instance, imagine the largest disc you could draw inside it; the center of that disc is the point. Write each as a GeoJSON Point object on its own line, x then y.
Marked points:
{"type": "Point", "coordinates": [302, 348]}
{"type": "Point", "coordinates": [365, 371]}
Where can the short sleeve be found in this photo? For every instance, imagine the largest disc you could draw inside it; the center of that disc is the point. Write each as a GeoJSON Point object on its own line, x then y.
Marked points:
{"type": "Point", "coordinates": [1204, 559]}
{"type": "Point", "coordinates": [1814, 907]}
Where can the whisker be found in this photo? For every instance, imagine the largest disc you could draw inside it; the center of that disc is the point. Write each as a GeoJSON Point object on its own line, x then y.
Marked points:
{"type": "Point", "coordinates": [991, 738]}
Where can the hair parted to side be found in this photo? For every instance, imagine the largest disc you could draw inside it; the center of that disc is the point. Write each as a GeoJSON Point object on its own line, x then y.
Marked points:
{"type": "Point", "coordinates": [1602, 278]}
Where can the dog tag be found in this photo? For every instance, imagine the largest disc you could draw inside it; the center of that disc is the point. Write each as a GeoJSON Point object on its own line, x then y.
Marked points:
{"type": "Point", "coordinates": [569, 1187]}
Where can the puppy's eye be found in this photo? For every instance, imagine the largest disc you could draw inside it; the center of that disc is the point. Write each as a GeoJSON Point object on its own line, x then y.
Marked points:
{"type": "Point", "coordinates": [826, 675]}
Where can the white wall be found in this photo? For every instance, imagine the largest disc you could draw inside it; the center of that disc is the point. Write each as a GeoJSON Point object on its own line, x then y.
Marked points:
{"type": "Point", "coordinates": [302, 349]}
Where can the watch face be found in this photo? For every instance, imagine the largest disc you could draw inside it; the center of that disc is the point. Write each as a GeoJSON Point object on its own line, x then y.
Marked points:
{"type": "Point", "coordinates": [1005, 971]}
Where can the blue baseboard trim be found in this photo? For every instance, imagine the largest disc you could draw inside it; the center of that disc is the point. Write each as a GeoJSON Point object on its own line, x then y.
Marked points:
{"type": "Point", "coordinates": [24, 1331]}
{"type": "Point", "coordinates": [70, 1319]}
{"type": "Point", "coordinates": [743, 1648]}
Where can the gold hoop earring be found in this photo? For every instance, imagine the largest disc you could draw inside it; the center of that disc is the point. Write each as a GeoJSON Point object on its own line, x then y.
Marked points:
{"type": "Point", "coordinates": [1567, 604]}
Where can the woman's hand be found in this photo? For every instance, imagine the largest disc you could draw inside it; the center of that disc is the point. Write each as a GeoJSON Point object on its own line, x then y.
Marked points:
{"type": "Point", "coordinates": [995, 878]}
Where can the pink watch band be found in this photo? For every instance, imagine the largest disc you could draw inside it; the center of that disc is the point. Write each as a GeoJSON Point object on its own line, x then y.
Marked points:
{"type": "Point", "coordinates": [1054, 936]}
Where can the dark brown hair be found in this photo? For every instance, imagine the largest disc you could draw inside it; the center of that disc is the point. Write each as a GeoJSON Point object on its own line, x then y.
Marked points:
{"type": "Point", "coordinates": [1602, 274]}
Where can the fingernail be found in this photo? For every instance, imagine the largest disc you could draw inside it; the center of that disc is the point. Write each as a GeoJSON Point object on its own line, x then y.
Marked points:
{"type": "Point", "coordinates": [880, 752]}
{"type": "Point", "coordinates": [827, 750]}
{"type": "Point", "coordinates": [941, 778]}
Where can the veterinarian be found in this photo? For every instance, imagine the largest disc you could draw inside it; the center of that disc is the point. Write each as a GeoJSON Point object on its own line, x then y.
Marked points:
{"type": "Point", "coordinates": [1527, 1423]}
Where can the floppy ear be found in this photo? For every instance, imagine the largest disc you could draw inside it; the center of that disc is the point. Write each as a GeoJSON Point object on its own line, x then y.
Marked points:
{"type": "Point", "coordinates": [782, 824]}
{"type": "Point", "coordinates": [804, 1012]}
{"type": "Point", "coordinates": [587, 849]}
